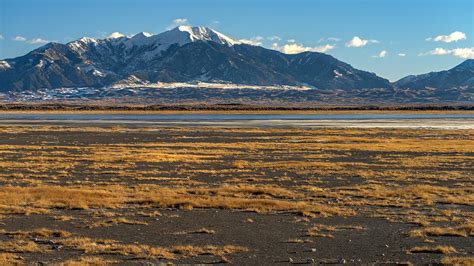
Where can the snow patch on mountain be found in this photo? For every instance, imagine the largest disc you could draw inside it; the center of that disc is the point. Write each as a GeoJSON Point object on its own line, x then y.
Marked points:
{"type": "Point", "coordinates": [97, 73]}
{"type": "Point", "coordinates": [81, 46]}
{"type": "Point", "coordinates": [337, 74]}
{"type": "Point", "coordinates": [155, 44]}
{"type": "Point", "coordinates": [207, 34]}
{"type": "Point", "coordinates": [202, 85]}
{"type": "Point", "coordinates": [130, 81]}
{"type": "Point", "coordinates": [4, 65]}
{"type": "Point", "coordinates": [180, 35]}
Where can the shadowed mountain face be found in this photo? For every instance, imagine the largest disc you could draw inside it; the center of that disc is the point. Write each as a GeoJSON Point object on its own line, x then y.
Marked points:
{"type": "Point", "coordinates": [461, 75]}
{"type": "Point", "coordinates": [189, 55]}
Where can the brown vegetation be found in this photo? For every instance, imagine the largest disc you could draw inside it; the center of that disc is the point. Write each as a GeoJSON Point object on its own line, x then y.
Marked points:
{"type": "Point", "coordinates": [433, 249]}
{"type": "Point", "coordinates": [101, 177]}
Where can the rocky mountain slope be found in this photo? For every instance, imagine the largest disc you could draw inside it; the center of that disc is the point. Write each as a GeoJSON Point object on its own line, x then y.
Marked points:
{"type": "Point", "coordinates": [200, 63]}
{"type": "Point", "coordinates": [184, 54]}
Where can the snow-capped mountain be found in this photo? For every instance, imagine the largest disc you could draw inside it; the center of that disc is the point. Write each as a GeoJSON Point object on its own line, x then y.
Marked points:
{"type": "Point", "coordinates": [184, 54]}
{"type": "Point", "coordinates": [197, 58]}
{"type": "Point", "coordinates": [150, 45]}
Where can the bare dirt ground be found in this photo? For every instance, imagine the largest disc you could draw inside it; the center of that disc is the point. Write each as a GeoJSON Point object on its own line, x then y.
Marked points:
{"type": "Point", "coordinates": [76, 195]}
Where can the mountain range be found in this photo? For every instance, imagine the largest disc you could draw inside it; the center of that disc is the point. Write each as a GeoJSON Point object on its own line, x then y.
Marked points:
{"type": "Point", "coordinates": [200, 62]}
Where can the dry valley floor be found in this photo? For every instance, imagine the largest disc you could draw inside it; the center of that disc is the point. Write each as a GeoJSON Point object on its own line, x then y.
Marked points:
{"type": "Point", "coordinates": [73, 195]}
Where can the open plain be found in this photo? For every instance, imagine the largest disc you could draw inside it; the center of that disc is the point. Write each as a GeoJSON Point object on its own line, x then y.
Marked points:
{"type": "Point", "coordinates": [103, 194]}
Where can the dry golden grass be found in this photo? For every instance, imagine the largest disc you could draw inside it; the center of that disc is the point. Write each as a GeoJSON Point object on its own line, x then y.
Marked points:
{"type": "Point", "coordinates": [39, 233]}
{"type": "Point", "coordinates": [461, 230]}
{"type": "Point", "coordinates": [91, 246]}
{"type": "Point", "coordinates": [433, 249]}
{"type": "Point", "coordinates": [21, 246]}
{"type": "Point", "coordinates": [321, 230]}
{"type": "Point", "coordinates": [10, 259]}
{"type": "Point", "coordinates": [115, 221]}
{"type": "Point", "coordinates": [250, 198]}
{"type": "Point", "coordinates": [401, 175]}
{"type": "Point", "coordinates": [58, 197]}
{"type": "Point", "coordinates": [63, 218]}
{"type": "Point", "coordinates": [192, 251]}
{"type": "Point", "coordinates": [466, 261]}
{"type": "Point", "coordinates": [89, 261]}
{"type": "Point", "coordinates": [406, 196]}
{"type": "Point", "coordinates": [149, 214]}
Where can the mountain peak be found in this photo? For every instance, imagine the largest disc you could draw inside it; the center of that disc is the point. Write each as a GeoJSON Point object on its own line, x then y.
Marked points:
{"type": "Point", "coordinates": [87, 40]}
{"type": "Point", "coordinates": [201, 33]}
{"type": "Point", "coordinates": [180, 35]}
{"type": "Point", "coordinates": [142, 34]}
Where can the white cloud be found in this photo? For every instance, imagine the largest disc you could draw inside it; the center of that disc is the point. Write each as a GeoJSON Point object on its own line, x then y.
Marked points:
{"type": "Point", "coordinates": [323, 48]}
{"type": "Point", "coordinates": [1, 37]}
{"type": "Point", "coordinates": [291, 41]}
{"type": "Point", "coordinates": [436, 51]}
{"type": "Point", "coordinates": [465, 53]}
{"type": "Point", "coordinates": [382, 54]}
{"type": "Point", "coordinates": [255, 41]}
{"type": "Point", "coordinates": [38, 41]}
{"type": "Point", "coordinates": [453, 37]}
{"type": "Point", "coordinates": [295, 48]}
{"type": "Point", "coordinates": [115, 35]}
{"type": "Point", "coordinates": [19, 39]}
{"type": "Point", "coordinates": [178, 22]}
{"type": "Point", "coordinates": [274, 38]}
{"type": "Point", "coordinates": [401, 54]}
{"type": "Point", "coordinates": [356, 41]}
{"type": "Point", "coordinates": [439, 51]}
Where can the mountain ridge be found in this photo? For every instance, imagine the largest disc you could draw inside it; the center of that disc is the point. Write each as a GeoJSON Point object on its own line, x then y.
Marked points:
{"type": "Point", "coordinates": [185, 56]}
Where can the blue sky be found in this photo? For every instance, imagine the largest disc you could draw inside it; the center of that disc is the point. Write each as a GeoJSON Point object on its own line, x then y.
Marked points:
{"type": "Point", "coordinates": [418, 36]}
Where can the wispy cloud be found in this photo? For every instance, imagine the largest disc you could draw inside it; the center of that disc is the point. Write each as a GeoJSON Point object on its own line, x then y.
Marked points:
{"type": "Point", "coordinates": [178, 22]}
{"type": "Point", "coordinates": [330, 39]}
{"type": "Point", "coordinates": [255, 41]}
{"type": "Point", "coordinates": [465, 53]}
{"type": "Point", "coordinates": [382, 54]}
{"type": "Point", "coordinates": [274, 38]}
{"type": "Point", "coordinates": [356, 41]}
{"type": "Point", "coordinates": [214, 24]}
{"type": "Point", "coordinates": [38, 41]}
{"type": "Point", "coordinates": [1, 37]}
{"type": "Point", "coordinates": [453, 37]}
{"type": "Point", "coordinates": [402, 54]}
{"type": "Point", "coordinates": [32, 41]}
{"type": "Point", "coordinates": [19, 39]}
